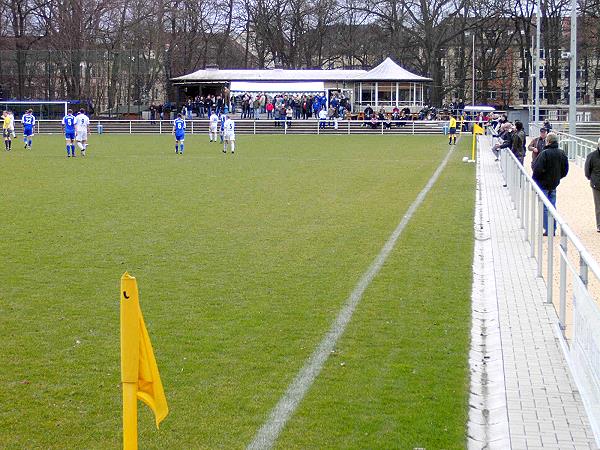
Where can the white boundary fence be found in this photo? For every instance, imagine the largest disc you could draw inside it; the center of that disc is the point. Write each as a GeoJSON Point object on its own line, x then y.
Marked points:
{"type": "Point", "coordinates": [262, 126]}
{"type": "Point", "coordinates": [562, 261]}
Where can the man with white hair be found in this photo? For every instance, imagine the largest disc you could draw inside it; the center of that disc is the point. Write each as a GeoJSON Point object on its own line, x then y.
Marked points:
{"type": "Point", "coordinates": [505, 136]}
{"type": "Point", "coordinates": [549, 168]}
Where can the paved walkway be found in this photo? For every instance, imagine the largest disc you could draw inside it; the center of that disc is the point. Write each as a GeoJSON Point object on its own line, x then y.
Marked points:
{"type": "Point", "coordinates": [534, 390]}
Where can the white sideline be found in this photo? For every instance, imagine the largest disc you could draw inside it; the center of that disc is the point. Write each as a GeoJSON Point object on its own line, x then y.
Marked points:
{"type": "Point", "coordinates": [268, 433]}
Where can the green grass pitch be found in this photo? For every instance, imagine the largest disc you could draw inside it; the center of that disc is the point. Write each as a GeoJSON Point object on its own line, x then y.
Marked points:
{"type": "Point", "coordinates": [242, 263]}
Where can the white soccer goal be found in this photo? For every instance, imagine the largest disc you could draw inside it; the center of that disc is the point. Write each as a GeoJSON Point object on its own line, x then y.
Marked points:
{"type": "Point", "coordinates": [56, 109]}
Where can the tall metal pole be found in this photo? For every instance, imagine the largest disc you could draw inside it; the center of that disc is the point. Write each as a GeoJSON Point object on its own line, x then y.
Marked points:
{"type": "Point", "coordinates": [473, 72]}
{"type": "Point", "coordinates": [532, 78]}
{"type": "Point", "coordinates": [536, 79]}
{"type": "Point", "coordinates": [573, 73]}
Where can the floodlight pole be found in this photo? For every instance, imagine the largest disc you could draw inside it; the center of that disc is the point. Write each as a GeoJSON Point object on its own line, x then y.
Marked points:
{"type": "Point", "coordinates": [536, 78]}
{"type": "Point", "coordinates": [573, 74]}
{"type": "Point", "coordinates": [473, 71]}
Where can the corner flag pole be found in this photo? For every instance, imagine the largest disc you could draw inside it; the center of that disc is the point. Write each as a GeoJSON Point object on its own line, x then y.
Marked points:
{"type": "Point", "coordinates": [476, 130]}
{"type": "Point", "coordinates": [130, 419]}
{"type": "Point", "coordinates": [139, 373]}
{"type": "Point", "coordinates": [130, 342]}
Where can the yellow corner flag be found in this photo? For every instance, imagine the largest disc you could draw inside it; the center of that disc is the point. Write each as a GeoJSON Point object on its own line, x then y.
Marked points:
{"type": "Point", "coordinates": [478, 129]}
{"type": "Point", "coordinates": [139, 372]}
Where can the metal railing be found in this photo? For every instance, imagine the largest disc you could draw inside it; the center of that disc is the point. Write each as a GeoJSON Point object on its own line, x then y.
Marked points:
{"type": "Point", "coordinates": [575, 147]}
{"type": "Point", "coordinates": [564, 263]}
{"type": "Point", "coordinates": [261, 126]}
{"type": "Point", "coordinates": [529, 201]}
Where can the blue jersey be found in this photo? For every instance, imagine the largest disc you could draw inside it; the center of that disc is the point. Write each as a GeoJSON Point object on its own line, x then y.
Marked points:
{"type": "Point", "coordinates": [69, 123]}
{"type": "Point", "coordinates": [179, 126]}
{"type": "Point", "coordinates": [28, 121]}
{"type": "Point", "coordinates": [222, 120]}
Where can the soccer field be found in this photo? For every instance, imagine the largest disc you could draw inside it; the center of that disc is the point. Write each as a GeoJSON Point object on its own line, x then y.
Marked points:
{"type": "Point", "coordinates": [243, 262]}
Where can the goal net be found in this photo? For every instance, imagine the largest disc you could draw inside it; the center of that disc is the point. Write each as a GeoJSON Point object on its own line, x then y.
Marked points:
{"type": "Point", "coordinates": [41, 109]}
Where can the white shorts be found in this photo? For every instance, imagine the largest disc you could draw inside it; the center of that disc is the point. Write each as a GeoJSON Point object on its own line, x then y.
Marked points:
{"type": "Point", "coordinates": [81, 135]}
{"type": "Point", "coordinates": [213, 128]}
{"type": "Point", "coordinates": [229, 136]}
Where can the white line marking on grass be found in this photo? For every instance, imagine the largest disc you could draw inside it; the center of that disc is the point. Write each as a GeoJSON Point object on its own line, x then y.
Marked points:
{"type": "Point", "coordinates": [268, 433]}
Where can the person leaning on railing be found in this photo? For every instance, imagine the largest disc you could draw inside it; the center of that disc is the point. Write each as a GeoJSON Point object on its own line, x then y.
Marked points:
{"type": "Point", "coordinates": [592, 173]}
{"type": "Point", "coordinates": [506, 138]}
{"type": "Point", "coordinates": [550, 167]}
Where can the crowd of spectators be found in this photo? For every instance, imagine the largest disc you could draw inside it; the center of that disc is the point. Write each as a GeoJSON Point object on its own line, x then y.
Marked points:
{"type": "Point", "coordinates": [284, 108]}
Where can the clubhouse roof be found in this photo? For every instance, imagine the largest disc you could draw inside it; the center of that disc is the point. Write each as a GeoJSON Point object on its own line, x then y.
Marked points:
{"type": "Point", "coordinates": [386, 85]}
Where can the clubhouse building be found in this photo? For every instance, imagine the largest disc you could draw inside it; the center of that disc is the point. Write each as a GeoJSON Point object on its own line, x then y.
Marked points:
{"type": "Point", "coordinates": [388, 85]}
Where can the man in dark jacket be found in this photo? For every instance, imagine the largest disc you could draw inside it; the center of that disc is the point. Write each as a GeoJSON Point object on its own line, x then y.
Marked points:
{"type": "Point", "coordinates": [518, 142]}
{"type": "Point", "coordinates": [592, 173]}
{"type": "Point", "coordinates": [550, 166]}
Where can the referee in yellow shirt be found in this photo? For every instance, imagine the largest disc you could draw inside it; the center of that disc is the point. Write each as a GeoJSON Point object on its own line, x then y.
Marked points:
{"type": "Point", "coordinates": [452, 130]}
{"type": "Point", "coordinates": [6, 130]}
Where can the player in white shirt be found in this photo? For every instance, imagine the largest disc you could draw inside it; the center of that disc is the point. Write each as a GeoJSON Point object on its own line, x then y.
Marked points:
{"type": "Point", "coordinates": [12, 124]}
{"type": "Point", "coordinates": [213, 121]}
{"type": "Point", "coordinates": [82, 124]}
{"type": "Point", "coordinates": [229, 135]}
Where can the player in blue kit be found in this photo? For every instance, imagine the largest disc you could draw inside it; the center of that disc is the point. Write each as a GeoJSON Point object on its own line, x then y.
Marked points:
{"type": "Point", "coordinates": [68, 125]}
{"type": "Point", "coordinates": [222, 119]}
{"type": "Point", "coordinates": [179, 132]}
{"type": "Point", "coordinates": [28, 121]}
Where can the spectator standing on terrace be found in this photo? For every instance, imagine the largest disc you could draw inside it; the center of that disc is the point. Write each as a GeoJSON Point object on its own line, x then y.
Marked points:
{"type": "Point", "coordinates": [550, 167]}
{"type": "Point", "coordinates": [256, 106]}
{"type": "Point", "coordinates": [208, 103]}
{"type": "Point", "coordinates": [460, 107]}
{"type": "Point", "coordinates": [536, 146]}
{"type": "Point", "coordinates": [305, 108]}
{"type": "Point", "coordinates": [219, 104]}
{"type": "Point", "coordinates": [316, 105]}
{"type": "Point", "coordinates": [518, 142]}
{"type": "Point", "coordinates": [282, 114]}
{"type": "Point", "coordinates": [296, 106]}
{"type": "Point", "coordinates": [227, 99]}
{"type": "Point", "coordinates": [289, 114]}
{"type": "Point", "coordinates": [592, 173]}
{"type": "Point", "coordinates": [506, 138]}
{"type": "Point", "coordinates": [201, 108]}
{"type": "Point", "coordinates": [152, 114]}
{"type": "Point", "coordinates": [263, 102]}
{"type": "Point", "coordinates": [374, 122]}
{"type": "Point", "coordinates": [269, 109]}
